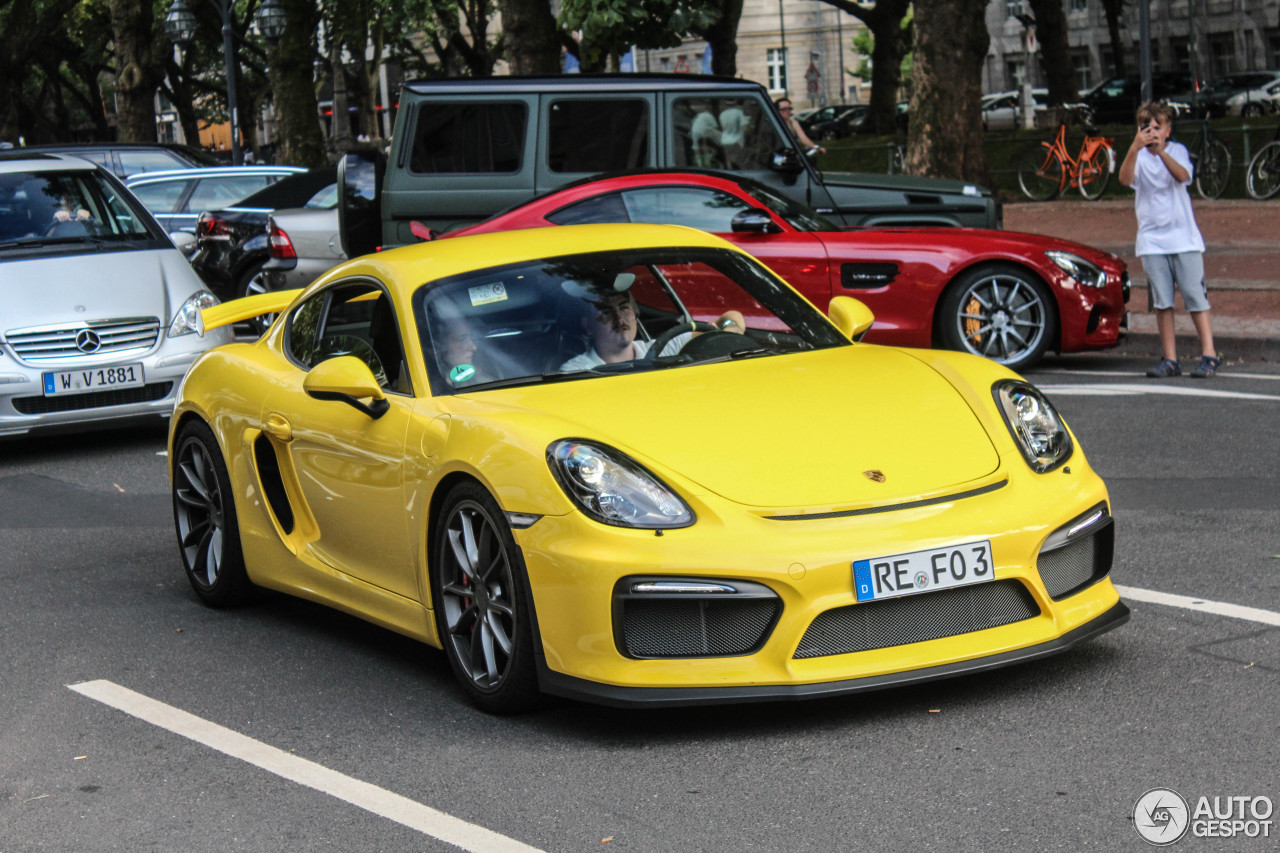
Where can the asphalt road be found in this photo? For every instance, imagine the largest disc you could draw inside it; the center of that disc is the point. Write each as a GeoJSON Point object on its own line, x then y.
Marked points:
{"type": "Point", "coordinates": [341, 736]}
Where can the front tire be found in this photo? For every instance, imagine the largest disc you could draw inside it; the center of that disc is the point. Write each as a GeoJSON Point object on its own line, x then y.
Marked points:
{"type": "Point", "coordinates": [1214, 170]}
{"type": "Point", "coordinates": [204, 513]}
{"type": "Point", "coordinates": [1040, 173]}
{"type": "Point", "coordinates": [1000, 312]}
{"type": "Point", "coordinates": [482, 615]}
{"type": "Point", "coordinates": [1263, 180]}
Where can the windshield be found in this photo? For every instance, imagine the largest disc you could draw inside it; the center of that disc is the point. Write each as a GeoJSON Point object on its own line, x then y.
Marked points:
{"type": "Point", "coordinates": [608, 313]}
{"type": "Point", "coordinates": [66, 208]}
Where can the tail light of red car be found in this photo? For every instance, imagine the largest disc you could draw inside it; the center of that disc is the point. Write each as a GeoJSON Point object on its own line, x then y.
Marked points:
{"type": "Point", "coordinates": [278, 242]}
{"type": "Point", "coordinates": [210, 226]}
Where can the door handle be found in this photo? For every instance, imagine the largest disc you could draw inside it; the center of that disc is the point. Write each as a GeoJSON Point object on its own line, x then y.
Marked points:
{"type": "Point", "coordinates": [278, 426]}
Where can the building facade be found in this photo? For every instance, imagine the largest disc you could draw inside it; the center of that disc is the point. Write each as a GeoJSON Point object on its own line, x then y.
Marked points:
{"type": "Point", "coordinates": [1205, 37]}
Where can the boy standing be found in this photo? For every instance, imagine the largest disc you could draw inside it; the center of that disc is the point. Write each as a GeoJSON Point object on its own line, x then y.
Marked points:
{"type": "Point", "coordinates": [1169, 241]}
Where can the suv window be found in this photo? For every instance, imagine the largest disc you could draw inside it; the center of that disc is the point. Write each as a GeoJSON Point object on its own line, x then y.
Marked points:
{"type": "Point", "coordinates": [605, 135]}
{"type": "Point", "coordinates": [723, 133]}
{"type": "Point", "coordinates": [476, 138]}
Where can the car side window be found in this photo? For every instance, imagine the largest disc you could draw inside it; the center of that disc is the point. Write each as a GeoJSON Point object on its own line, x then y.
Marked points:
{"type": "Point", "coordinates": [598, 135]}
{"type": "Point", "coordinates": [468, 138]}
{"type": "Point", "coordinates": [354, 319]}
{"type": "Point", "coordinates": [214, 193]}
{"type": "Point", "coordinates": [704, 209]}
{"type": "Point", "coordinates": [133, 162]}
{"type": "Point", "coordinates": [160, 197]}
{"type": "Point", "coordinates": [723, 133]}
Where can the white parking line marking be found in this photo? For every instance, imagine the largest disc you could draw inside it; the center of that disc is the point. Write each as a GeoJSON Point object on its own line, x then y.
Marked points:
{"type": "Point", "coordinates": [1117, 390]}
{"type": "Point", "coordinates": [371, 798]}
{"type": "Point", "coordinates": [1274, 377]}
{"type": "Point", "coordinates": [1200, 605]}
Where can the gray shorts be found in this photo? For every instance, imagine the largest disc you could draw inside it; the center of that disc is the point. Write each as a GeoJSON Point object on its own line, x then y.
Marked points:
{"type": "Point", "coordinates": [1186, 269]}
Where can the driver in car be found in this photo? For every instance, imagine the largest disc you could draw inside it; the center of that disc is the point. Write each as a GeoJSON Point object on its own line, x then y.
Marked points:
{"type": "Point", "coordinates": [609, 319]}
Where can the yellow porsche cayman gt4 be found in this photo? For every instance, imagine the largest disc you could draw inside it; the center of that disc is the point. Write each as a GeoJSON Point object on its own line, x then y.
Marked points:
{"type": "Point", "coordinates": [629, 464]}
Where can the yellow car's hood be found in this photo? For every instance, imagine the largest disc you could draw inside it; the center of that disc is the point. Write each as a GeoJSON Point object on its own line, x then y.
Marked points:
{"type": "Point", "coordinates": [802, 430]}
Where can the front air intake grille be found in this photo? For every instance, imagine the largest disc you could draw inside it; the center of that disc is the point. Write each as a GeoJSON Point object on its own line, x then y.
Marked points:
{"type": "Point", "coordinates": [1084, 561]}
{"type": "Point", "coordinates": [84, 340]}
{"type": "Point", "coordinates": [92, 400]}
{"type": "Point", "coordinates": [696, 627]}
{"type": "Point", "coordinates": [917, 618]}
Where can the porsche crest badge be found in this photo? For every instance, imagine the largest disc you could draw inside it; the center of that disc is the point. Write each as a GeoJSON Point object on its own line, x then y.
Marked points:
{"type": "Point", "coordinates": [875, 475]}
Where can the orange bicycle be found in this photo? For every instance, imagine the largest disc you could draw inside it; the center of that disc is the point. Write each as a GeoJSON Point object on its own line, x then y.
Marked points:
{"type": "Point", "coordinates": [1045, 168]}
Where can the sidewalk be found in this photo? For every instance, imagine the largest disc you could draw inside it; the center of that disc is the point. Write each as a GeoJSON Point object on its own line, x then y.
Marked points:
{"type": "Point", "coordinates": [1242, 265]}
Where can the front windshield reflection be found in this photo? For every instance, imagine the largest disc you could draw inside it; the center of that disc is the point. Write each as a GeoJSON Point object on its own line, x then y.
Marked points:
{"type": "Point", "coordinates": [606, 313]}
{"type": "Point", "coordinates": [64, 207]}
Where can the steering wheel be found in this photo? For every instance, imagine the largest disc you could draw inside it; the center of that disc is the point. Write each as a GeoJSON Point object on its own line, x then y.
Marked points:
{"type": "Point", "coordinates": [681, 327]}
{"type": "Point", "coordinates": [68, 228]}
{"type": "Point", "coordinates": [717, 344]}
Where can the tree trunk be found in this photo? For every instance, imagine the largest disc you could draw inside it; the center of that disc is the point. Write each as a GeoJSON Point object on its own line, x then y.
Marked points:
{"type": "Point", "coordinates": [945, 137]}
{"type": "Point", "coordinates": [1113, 10]}
{"type": "Point", "coordinates": [340, 138]}
{"type": "Point", "coordinates": [531, 36]}
{"type": "Point", "coordinates": [722, 37]}
{"type": "Point", "coordinates": [299, 140]}
{"type": "Point", "coordinates": [1055, 52]}
{"type": "Point", "coordinates": [139, 68]}
{"type": "Point", "coordinates": [884, 20]}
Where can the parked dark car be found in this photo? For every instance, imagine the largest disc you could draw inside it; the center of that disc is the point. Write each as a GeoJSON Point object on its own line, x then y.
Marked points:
{"type": "Point", "coordinates": [1116, 101]}
{"type": "Point", "coordinates": [825, 123]}
{"type": "Point", "coordinates": [177, 197]}
{"type": "Point", "coordinates": [232, 243]}
{"type": "Point", "coordinates": [129, 158]}
{"type": "Point", "coordinates": [1248, 93]}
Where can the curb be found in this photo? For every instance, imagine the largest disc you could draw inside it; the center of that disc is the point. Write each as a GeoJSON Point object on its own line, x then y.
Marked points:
{"type": "Point", "coordinates": [1230, 347]}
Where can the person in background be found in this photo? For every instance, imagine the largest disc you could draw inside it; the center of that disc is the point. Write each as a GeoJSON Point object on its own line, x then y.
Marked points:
{"type": "Point", "coordinates": [787, 111]}
{"type": "Point", "coordinates": [1169, 242]}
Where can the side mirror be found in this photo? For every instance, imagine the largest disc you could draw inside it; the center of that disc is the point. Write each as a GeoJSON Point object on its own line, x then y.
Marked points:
{"type": "Point", "coordinates": [347, 379]}
{"type": "Point", "coordinates": [787, 162]}
{"type": "Point", "coordinates": [850, 316]}
{"type": "Point", "coordinates": [753, 220]}
{"type": "Point", "coordinates": [360, 201]}
{"type": "Point", "coordinates": [184, 242]}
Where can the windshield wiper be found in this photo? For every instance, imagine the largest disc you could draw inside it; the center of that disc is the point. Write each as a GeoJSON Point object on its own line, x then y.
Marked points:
{"type": "Point", "coordinates": [516, 381]}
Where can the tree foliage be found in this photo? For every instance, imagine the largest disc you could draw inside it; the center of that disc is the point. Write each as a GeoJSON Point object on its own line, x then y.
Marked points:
{"type": "Point", "coordinates": [611, 27]}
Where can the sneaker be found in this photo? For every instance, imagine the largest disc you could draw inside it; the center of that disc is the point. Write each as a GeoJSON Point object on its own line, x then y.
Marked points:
{"type": "Point", "coordinates": [1166, 368]}
{"type": "Point", "coordinates": [1207, 367]}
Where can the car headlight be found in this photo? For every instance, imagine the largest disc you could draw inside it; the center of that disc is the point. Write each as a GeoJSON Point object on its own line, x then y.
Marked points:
{"type": "Point", "coordinates": [1037, 427]}
{"type": "Point", "coordinates": [1085, 272]}
{"type": "Point", "coordinates": [614, 489]}
{"type": "Point", "coordinates": [188, 319]}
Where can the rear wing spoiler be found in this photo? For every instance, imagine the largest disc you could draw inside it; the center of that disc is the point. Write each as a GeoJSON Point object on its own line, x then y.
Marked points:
{"type": "Point", "coordinates": [245, 308]}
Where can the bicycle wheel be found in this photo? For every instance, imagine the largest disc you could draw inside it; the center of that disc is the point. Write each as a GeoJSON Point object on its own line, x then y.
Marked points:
{"type": "Point", "coordinates": [1263, 180]}
{"type": "Point", "coordinates": [1214, 170]}
{"type": "Point", "coordinates": [1040, 173]}
{"type": "Point", "coordinates": [1095, 174]}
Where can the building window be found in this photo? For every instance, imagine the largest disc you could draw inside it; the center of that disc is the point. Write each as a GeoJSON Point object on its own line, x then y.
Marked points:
{"type": "Point", "coordinates": [1013, 8]}
{"type": "Point", "coordinates": [1222, 50]}
{"type": "Point", "coordinates": [1272, 40]}
{"type": "Point", "coordinates": [777, 65]}
{"type": "Point", "coordinates": [1077, 5]}
{"type": "Point", "coordinates": [1080, 61]}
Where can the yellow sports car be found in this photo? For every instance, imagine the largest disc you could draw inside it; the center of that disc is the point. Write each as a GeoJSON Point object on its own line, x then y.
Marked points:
{"type": "Point", "coordinates": [628, 464]}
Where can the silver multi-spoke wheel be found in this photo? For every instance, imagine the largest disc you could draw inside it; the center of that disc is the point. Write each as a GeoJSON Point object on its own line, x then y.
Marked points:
{"type": "Point", "coordinates": [481, 614]}
{"type": "Point", "coordinates": [1001, 313]}
{"type": "Point", "coordinates": [255, 283]}
{"type": "Point", "coordinates": [205, 516]}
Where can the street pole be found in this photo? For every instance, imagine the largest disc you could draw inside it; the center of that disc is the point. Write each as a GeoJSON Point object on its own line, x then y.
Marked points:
{"type": "Point", "coordinates": [229, 55]}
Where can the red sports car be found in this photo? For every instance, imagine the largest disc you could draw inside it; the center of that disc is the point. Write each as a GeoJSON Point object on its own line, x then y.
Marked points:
{"type": "Point", "coordinates": [1001, 294]}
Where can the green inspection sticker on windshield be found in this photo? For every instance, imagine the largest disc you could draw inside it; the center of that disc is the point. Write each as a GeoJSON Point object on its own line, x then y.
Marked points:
{"type": "Point", "coordinates": [462, 373]}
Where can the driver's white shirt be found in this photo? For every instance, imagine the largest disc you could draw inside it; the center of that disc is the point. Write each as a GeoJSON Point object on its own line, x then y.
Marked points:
{"type": "Point", "coordinates": [591, 358]}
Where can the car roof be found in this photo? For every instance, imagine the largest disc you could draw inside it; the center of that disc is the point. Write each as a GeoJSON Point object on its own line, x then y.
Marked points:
{"type": "Point", "coordinates": [577, 82]}
{"type": "Point", "coordinates": [22, 160]}
{"type": "Point", "coordinates": [210, 172]}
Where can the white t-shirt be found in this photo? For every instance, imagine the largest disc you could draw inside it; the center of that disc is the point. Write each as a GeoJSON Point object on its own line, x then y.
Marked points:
{"type": "Point", "coordinates": [1166, 222]}
{"type": "Point", "coordinates": [591, 358]}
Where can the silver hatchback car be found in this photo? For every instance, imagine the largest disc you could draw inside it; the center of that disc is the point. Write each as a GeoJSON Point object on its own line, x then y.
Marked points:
{"type": "Point", "coordinates": [101, 314]}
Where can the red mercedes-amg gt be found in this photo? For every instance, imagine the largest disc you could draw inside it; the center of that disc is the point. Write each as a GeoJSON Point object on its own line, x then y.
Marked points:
{"type": "Point", "coordinates": [1002, 294]}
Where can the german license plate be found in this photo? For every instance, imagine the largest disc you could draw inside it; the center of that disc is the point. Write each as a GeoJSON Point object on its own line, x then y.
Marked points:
{"type": "Point", "coordinates": [95, 379]}
{"type": "Point", "coordinates": [922, 571]}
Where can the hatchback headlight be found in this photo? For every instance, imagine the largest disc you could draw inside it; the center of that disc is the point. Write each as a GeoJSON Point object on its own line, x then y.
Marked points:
{"type": "Point", "coordinates": [614, 489]}
{"type": "Point", "coordinates": [1036, 425]}
{"type": "Point", "coordinates": [188, 319]}
{"type": "Point", "coordinates": [1085, 272]}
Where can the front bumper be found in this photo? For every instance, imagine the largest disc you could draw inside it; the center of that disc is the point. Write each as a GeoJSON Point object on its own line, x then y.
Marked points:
{"type": "Point", "coordinates": [814, 642]}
